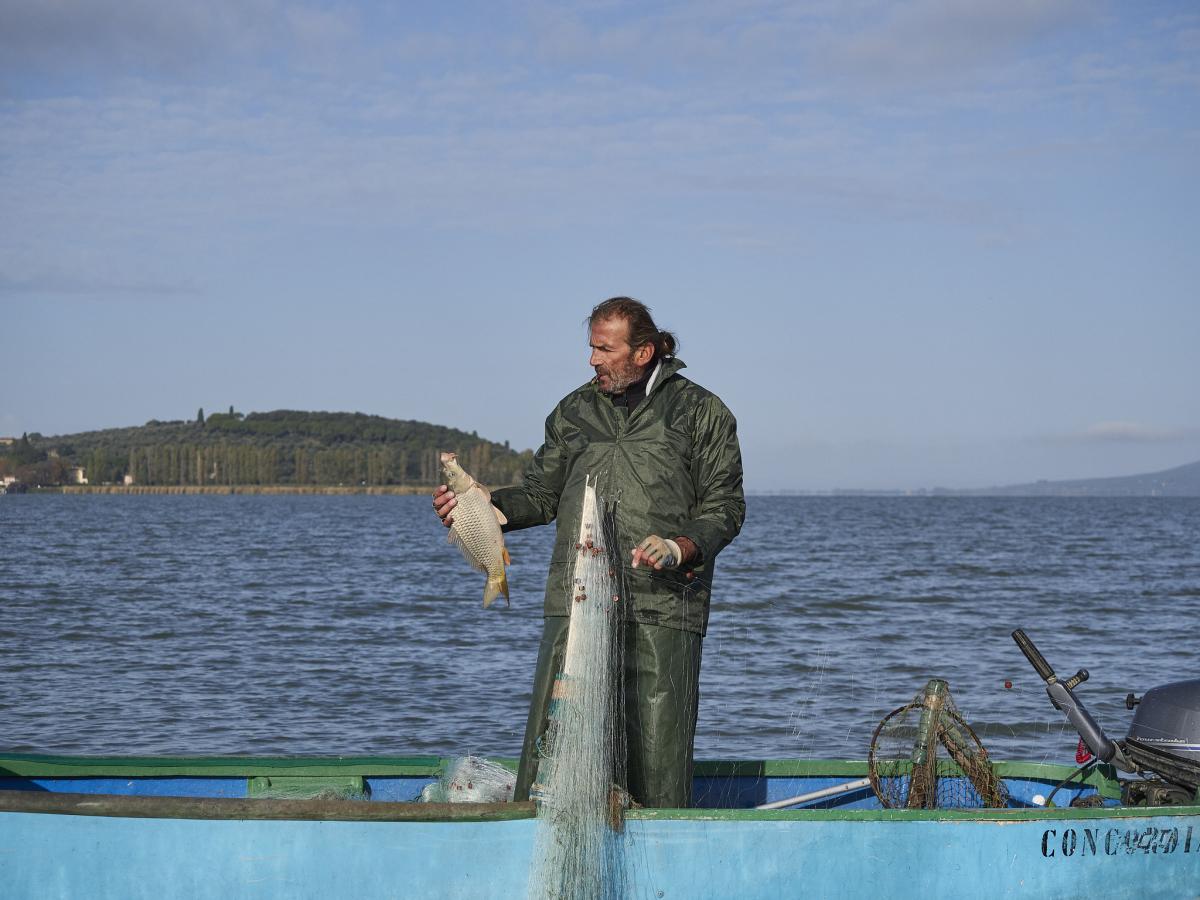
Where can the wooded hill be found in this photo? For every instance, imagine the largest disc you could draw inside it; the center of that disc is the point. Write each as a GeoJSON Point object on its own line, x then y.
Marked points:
{"type": "Point", "coordinates": [1181, 481]}
{"type": "Point", "coordinates": [281, 447]}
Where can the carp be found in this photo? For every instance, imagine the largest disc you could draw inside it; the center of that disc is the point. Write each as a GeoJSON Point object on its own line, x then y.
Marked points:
{"type": "Point", "coordinates": [476, 528]}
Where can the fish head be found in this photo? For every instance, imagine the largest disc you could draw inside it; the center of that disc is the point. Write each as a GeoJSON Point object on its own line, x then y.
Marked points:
{"type": "Point", "coordinates": [454, 475]}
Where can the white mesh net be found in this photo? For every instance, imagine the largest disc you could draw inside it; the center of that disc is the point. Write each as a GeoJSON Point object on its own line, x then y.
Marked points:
{"type": "Point", "coordinates": [471, 779]}
{"type": "Point", "coordinates": [582, 756]}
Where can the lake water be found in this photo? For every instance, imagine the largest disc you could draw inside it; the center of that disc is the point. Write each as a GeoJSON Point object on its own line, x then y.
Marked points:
{"type": "Point", "coordinates": [346, 625]}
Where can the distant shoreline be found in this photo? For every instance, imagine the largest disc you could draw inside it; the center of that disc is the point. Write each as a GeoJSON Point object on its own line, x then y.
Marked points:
{"type": "Point", "coordinates": [334, 490]}
{"type": "Point", "coordinates": [326, 489]}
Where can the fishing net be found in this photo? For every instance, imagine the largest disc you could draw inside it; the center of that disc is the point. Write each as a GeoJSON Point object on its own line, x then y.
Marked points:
{"type": "Point", "coordinates": [581, 757]}
{"type": "Point", "coordinates": [471, 779]}
{"type": "Point", "coordinates": [925, 756]}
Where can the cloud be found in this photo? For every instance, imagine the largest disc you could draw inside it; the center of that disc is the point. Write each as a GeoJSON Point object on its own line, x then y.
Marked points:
{"type": "Point", "coordinates": [171, 38]}
{"type": "Point", "coordinates": [773, 47]}
{"type": "Point", "coordinates": [933, 39]}
{"type": "Point", "coordinates": [89, 283]}
{"type": "Point", "coordinates": [574, 115]}
{"type": "Point", "coordinates": [1127, 433]}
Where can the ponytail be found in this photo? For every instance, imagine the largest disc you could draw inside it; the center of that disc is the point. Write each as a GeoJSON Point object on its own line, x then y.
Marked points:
{"type": "Point", "coordinates": [642, 329]}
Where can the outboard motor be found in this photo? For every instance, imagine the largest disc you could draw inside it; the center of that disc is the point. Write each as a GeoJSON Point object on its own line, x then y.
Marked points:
{"type": "Point", "coordinates": [1163, 740]}
{"type": "Point", "coordinates": [1164, 736]}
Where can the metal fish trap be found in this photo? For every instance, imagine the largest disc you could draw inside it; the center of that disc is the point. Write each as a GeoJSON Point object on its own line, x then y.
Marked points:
{"type": "Point", "coordinates": [925, 756]}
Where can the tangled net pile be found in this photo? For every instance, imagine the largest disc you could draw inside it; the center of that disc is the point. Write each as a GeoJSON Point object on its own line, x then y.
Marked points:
{"type": "Point", "coordinates": [471, 779]}
{"type": "Point", "coordinates": [904, 765]}
{"type": "Point", "coordinates": [582, 756]}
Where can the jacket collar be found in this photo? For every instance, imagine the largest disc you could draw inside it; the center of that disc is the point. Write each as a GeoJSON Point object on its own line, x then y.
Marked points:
{"type": "Point", "coordinates": [663, 369]}
{"type": "Point", "coordinates": [667, 368]}
{"type": "Point", "coordinates": [661, 372]}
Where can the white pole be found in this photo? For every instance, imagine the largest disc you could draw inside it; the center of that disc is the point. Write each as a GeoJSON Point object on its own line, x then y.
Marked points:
{"type": "Point", "coordinates": [817, 795]}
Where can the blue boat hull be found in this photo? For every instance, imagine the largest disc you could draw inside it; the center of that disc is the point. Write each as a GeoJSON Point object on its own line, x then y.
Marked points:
{"type": "Point", "coordinates": [70, 856]}
{"type": "Point", "coordinates": [192, 828]}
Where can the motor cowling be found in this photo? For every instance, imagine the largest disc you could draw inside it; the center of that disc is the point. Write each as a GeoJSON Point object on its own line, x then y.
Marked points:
{"type": "Point", "coordinates": [1164, 736]}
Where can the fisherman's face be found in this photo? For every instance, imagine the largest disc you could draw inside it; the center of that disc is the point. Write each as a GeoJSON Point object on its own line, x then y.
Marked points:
{"type": "Point", "coordinates": [617, 364]}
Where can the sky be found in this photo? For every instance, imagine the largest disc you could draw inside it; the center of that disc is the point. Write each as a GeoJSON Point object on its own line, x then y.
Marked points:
{"type": "Point", "coordinates": [913, 244]}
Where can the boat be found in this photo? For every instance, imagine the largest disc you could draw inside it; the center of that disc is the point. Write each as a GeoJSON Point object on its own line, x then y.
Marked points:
{"type": "Point", "coordinates": [346, 827]}
{"type": "Point", "coordinates": [118, 827]}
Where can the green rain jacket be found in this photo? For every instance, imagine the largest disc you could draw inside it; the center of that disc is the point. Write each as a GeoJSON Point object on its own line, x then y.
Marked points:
{"type": "Point", "coordinates": [673, 465]}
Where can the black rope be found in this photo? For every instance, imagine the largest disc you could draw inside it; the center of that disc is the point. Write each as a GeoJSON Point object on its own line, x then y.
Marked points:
{"type": "Point", "coordinates": [1087, 765]}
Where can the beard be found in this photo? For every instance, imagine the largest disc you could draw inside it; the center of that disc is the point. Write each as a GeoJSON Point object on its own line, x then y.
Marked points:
{"type": "Point", "coordinates": [614, 379]}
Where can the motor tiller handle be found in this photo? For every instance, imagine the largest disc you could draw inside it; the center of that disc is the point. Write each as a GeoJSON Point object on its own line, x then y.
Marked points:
{"type": "Point", "coordinates": [1093, 735]}
{"type": "Point", "coordinates": [1034, 656]}
{"type": "Point", "coordinates": [1077, 679]}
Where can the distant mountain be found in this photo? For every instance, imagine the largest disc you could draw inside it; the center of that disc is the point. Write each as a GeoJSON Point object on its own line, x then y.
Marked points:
{"type": "Point", "coordinates": [1182, 481]}
{"type": "Point", "coordinates": [284, 447]}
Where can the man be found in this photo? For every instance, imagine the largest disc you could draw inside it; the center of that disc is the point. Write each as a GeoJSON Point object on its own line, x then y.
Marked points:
{"type": "Point", "coordinates": [667, 450]}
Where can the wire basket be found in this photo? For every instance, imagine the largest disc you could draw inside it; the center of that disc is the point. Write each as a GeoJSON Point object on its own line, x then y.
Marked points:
{"type": "Point", "coordinates": [924, 755]}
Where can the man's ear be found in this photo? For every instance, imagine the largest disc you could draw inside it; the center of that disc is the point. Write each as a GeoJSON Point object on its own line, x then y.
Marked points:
{"type": "Point", "coordinates": [643, 354]}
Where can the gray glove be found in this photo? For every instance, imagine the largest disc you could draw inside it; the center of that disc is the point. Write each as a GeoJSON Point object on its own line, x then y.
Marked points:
{"type": "Point", "coordinates": [659, 551]}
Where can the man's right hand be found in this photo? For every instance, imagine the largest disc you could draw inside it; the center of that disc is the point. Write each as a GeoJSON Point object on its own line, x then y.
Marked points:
{"type": "Point", "coordinates": [443, 503]}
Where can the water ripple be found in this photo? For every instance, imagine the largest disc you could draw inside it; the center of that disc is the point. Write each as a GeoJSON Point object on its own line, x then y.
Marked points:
{"type": "Point", "coordinates": [346, 625]}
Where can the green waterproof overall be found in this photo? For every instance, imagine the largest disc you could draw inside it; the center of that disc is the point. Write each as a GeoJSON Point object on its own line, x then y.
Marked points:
{"type": "Point", "coordinates": [662, 675]}
{"type": "Point", "coordinates": [672, 466]}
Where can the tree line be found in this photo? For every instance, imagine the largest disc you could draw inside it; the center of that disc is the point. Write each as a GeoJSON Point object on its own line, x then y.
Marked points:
{"type": "Point", "coordinates": [275, 448]}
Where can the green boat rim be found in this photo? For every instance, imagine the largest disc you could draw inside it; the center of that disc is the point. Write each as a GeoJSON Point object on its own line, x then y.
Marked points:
{"type": "Point", "coordinates": [32, 765]}
{"type": "Point", "coordinates": [1102, 778]}
{"type": "Point", "coordinates": [117, 806]}
{"type": "Point", "coordinates": [999, 816]}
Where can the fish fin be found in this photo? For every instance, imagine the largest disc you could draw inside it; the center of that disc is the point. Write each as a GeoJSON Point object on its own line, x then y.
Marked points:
{"type": "Point", "coordinates": [500, 517]}
{"type": "Point", "coordinates": [496, 585]}
{"type": "Point", "coordinates": [507, 558]}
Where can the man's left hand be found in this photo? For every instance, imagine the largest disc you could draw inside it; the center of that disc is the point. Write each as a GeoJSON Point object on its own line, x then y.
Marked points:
{"type": "Point", "coordinates": [663, 553]}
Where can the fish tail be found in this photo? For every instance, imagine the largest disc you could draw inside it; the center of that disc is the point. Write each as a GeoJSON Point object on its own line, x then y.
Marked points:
{"type": "Point", "coordinates": [496, 585]}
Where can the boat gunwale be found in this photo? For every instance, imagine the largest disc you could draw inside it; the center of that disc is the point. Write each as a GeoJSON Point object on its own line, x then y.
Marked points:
{"type": "Point", "coordinates": [229, 808]}
{"type": "Point", "coordinates": [34, 765]}
{"type": "Point", "coordinates": [27, 765]}
{"type": "Point", "coordinates": [237, 808]}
